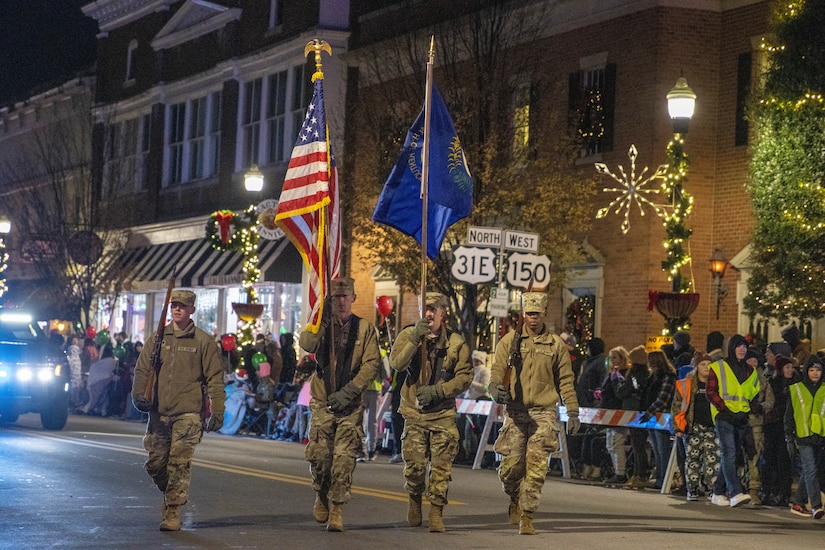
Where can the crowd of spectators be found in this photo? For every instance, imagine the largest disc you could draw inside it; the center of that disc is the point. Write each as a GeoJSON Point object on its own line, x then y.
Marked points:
{"type": "Point", "coordinates": [753, 449]}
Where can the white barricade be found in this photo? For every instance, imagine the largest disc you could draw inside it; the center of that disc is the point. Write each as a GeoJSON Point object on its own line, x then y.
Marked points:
{"type": "Point", "coordinates": [587, 415]}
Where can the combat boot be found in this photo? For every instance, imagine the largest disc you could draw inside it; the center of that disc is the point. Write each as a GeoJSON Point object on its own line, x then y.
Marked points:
{"type": "Point", "coordinates": [436, 521]}
{"type": "Point", "coordinates": [414, 511]}
{"type": "Point", "coordinates": [525, 526]}
{"type": "Point", "coordinates": [320, 510]}
{"type": "Point", "coordinates": [171, 517]}
{"type": "Point", "coordinates": [514, 512]}
{"type": "Point", "coordinates": [335, 523]}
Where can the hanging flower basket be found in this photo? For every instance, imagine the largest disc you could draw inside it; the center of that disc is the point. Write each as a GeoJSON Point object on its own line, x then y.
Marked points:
{"type": "Point", "coordinates": [675, 307]}
{"type": "Point", "coordinates": [248, 312]}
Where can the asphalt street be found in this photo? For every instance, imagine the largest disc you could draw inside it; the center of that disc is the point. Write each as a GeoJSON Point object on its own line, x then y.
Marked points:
{"type": "Point", "coordinates": [84, 487]}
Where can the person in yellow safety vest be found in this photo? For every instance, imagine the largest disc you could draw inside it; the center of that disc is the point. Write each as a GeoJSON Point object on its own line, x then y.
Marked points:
{"type": "Point", "coordinates": [692, 420]}
{"type": "Point", "coordinates": [804, 431]}
{"type": "Point", "coordinates": [731, 387]}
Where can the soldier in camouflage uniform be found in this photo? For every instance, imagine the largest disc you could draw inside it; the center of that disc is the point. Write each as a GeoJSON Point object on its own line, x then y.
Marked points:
{"type": "Point", "coordinates": [428, 405]}
{"type": "Point", "coordinates": [530, 432]}
{"type": "Point", "coordinates": [189, 358]}
{"type": "Point", "coordinates": [336, 432]}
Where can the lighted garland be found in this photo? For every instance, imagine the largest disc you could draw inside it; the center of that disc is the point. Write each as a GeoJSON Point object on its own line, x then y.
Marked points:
{"type": "Point", "coordinates": [230, 231]}
{"type": "Point", "coordinates": [676, 231]}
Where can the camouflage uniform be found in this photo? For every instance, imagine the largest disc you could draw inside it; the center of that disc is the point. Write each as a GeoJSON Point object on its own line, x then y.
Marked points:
{"type": "Point", "coordinates": [336, 439]}
{"type": "Point", "coordinates": [530, 431]}
{"type": "Point", "coordinates": [430, 434]}
{"type": "Point", "coordinates": [189, 357]}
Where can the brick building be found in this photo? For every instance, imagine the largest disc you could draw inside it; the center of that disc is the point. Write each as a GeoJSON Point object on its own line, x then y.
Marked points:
{"type": "Point", "coordinates": [634, 52]}
{"type": "Point", "coordinates": [191, 93]}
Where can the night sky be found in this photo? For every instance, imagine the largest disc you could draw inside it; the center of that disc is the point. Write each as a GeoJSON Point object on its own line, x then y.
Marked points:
{"type": "Point", "coordinates": [43, 43]}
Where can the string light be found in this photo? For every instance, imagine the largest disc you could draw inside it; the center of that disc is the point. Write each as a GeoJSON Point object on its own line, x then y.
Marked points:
{"type": "Point", "coordinates": [681, 201]}
{"type": "Point", "coordinates": [4, 263]}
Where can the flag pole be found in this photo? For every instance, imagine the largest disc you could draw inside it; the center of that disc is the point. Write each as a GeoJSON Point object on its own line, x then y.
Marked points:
{"type": "Point", "coordinates": [425, 169]}
{"type": "Point", "coordinates": [330, 382]}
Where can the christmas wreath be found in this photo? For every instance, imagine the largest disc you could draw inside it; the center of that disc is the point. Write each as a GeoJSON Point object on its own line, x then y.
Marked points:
{"type": "Point", "coordinates": [225, 228]}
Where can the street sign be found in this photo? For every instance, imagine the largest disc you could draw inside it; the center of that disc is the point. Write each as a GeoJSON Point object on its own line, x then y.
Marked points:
{"type": "Point", "coordinates": [522, 268]}
{"type": "Point", "coordinates": [499, 300]}
{"type": "Point", "coordinates": [474, 265]}
{"type": "Point", "coordinates": [484, 236]}
{"type": "Point", "coordinates": [521, 241]}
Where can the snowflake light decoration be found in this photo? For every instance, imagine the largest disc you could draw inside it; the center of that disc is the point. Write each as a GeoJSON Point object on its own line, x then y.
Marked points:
{"type": "Point", "coordinates": [633, 189]}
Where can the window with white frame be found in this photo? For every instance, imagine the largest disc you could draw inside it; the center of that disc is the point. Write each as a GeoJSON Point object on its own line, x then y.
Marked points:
{"type": "Point", "coordinates": [197, 137]}
{"type": "Point", "coordinates": [276, 115]}
{"type": "Point", "coordinates": [253, 91]}
{"type": "Point", "coordinates": [192, 139]}
{"type": "Point", "coordinates": [174, 142]}
{"type": "Point", "coordinates": [214, 129]}
{"type": "Point", "coordinates": [130, 60]}
{"type": "Point", "coordinates": [127, 152]}
{"type": "Point", "coordinates": [272, 113]}
{"type": "Point", "coordinates": [276, 13]}
{"type": "Point", "coordinates": [301, 92]}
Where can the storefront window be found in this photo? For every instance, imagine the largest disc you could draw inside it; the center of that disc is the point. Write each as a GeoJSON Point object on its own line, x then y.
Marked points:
{"type": "Point", "coordinates": [206, 310]}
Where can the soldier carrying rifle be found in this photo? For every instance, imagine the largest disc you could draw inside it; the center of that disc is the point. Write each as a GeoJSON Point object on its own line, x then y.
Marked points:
{"type": "Point", "coordinates": [177, 362]}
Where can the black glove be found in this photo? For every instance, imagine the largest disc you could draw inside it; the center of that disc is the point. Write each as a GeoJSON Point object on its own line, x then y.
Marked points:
{"type": "Point", "coordinates": [645, 417]}
{"type": "Point", "coordinates": [326, 316]}
{"type": "Point", "coordinates": [573, 424]}
{"type": "Point", "coordinates": [141, 403]}
{"type": "Point", "coordinates": [500, 394]}
{"type": "Point", "coordinates": [429, 395]}
{"type": "Point", "coordinates": [791, 448]}
{"type": "Point", "coordinates": [340, 400]}
{"type": "Point", "coordinates": [419, 331]}
{"type": "Point", "coordinates": [214, 422]}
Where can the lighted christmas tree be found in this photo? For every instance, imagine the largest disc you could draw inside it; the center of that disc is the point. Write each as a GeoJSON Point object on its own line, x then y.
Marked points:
{"type": "Point", "coordinates": [787, 169]}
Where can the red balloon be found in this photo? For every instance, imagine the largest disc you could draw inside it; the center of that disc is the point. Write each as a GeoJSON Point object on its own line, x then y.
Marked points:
{"type": "Point", "coordinates": [228, 342]}
{"type": "Point", "coordinates": [91, 332]}
{"type": "Point", "coordinates": [384, 305]}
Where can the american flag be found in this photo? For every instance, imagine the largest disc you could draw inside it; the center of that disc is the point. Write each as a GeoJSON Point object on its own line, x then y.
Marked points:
{"type": "Point", "coordinates": [308, 210]}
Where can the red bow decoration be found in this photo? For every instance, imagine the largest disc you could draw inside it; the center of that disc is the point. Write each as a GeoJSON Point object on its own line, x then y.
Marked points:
{"type": "Point", "coordinates": [652, 298]}
{"type": "Point", "coordinates": [224, 218]}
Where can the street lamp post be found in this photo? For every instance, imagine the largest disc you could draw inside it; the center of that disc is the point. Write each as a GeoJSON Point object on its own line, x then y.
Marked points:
{"type": "Point", "coordinates": [5, 229]}
{"type": "Point", "coordinates": [680, 102]}
{"type": "Point", "coordinates": [718, 265]}
{"type": "Point", "coordinates": [249, 312]}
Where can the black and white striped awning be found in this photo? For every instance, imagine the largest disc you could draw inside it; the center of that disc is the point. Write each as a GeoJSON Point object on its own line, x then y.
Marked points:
{"type": "Point", "coordinates": [196, 264]}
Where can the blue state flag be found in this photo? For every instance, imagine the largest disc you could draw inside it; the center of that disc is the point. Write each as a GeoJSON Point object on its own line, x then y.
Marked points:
{"type": "Point", "coordinates": [450, 186]}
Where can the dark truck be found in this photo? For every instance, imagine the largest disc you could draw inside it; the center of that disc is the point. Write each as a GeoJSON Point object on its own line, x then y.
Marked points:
{"type": "Point", "coordinates": [34, 374]}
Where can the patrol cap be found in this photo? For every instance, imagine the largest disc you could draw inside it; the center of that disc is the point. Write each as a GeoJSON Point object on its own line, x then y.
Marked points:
{"type": "Point", "coordinates": [436, 299]}
{"type": "Point", "coordinates": [185, 297]}
{"type": "Point", "coordinates": [343, 286]}
{"type": "Point", "coordinates": [534, 302]}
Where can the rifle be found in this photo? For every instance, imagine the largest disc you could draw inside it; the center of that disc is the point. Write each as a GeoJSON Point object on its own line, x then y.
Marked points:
{"type": "Point", "coordinates": [514, 361]}
{"type": "Point", "coordinates": [151, 378]}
